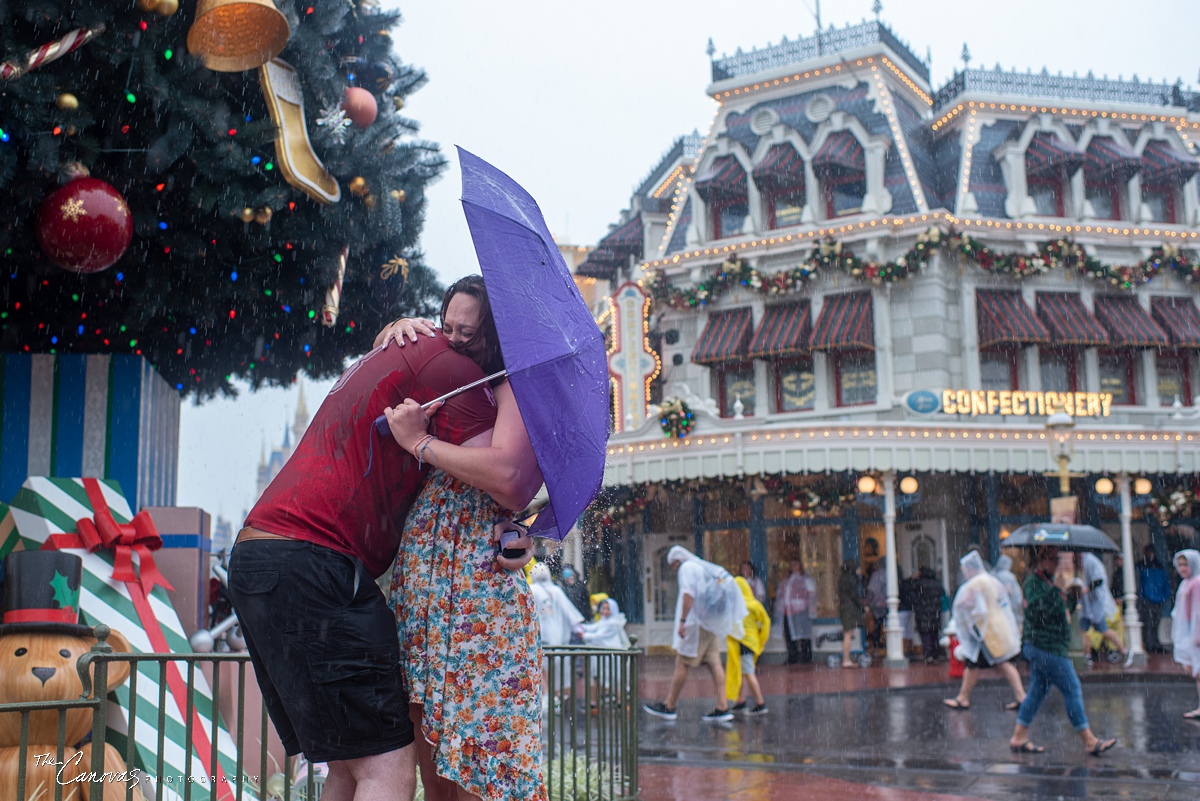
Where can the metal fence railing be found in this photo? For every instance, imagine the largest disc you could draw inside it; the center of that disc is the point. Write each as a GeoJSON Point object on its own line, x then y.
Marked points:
{"type": "Point", "coordinates": [590, 723]}
{"type": "Point", "coordinates": [589, 732]}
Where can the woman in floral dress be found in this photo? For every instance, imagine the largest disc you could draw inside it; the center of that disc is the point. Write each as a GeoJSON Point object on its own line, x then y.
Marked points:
{"type": "Point", "coordinates": [467, 626]}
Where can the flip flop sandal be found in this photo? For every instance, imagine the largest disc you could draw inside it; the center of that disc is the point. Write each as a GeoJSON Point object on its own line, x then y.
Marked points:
{"type": "Point", "coordinates": [1026, 748]}
{"type": "Point", "coordinates": [1012, 706]}
{"type": "Point", "coordinates": [954, 703]}
{"type": "Point", "coordinates": [297, 160]}
{"type": "Point", "coordinates": [1103, 746]}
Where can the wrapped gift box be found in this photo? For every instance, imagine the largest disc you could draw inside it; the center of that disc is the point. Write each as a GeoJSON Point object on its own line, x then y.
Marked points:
{"type": "Point", "coordinates": [184, 560]}
{"type": "Point", "coordinates": [107, 416]}
{"type": "Point", "coordinates": [49, 513]}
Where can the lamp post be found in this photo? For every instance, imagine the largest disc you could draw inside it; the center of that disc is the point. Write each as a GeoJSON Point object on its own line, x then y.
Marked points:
{"type": "Point", "coordinates": [892, 629]}
{"type": "Point", "coordinates": [1061, 425]}
{"type": "Point", "coordinates": [1133, 624]}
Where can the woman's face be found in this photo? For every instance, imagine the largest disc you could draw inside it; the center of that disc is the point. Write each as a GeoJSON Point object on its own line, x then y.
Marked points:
{"type": "Point", "coordinates": [462, 320]}
{"type": "Point", "coordinates": [1185, 570]}
{"type": "Point", "coordinates": [605, 611]}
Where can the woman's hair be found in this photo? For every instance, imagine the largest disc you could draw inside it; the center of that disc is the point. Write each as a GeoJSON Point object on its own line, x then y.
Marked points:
{"type": "Point", "coordinates": [484, 346]}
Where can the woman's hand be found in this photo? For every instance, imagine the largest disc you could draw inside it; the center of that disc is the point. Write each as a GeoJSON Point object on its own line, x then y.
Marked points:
{"type": "Point", "coordinates": [525, 543]}
{"type": "Point", "coordinates": [408, 423]}
{"type": "Point", "coordinates": [405, 327]}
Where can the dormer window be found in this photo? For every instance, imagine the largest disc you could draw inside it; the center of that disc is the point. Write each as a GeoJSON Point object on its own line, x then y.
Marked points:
{"type": "Point", "coordinates": [723, 188]}
{"type": "Point", "coordinates": [1164, 172]}
{"type": "Point", "coordinates": [1049, 162]}
{"type": "Point", "coordinates": [780, 179]}
{"type": "Point", "coordinates": [1107, 167]}
{"type": "Point", "coordinates": [840, 165]}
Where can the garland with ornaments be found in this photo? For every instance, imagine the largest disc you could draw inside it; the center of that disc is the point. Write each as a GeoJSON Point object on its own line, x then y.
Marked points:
{"type": "Point", "coordinates": [1175, 503]}
{"type": "Point", "coordinates": [620, 507]}
{"type": "Point", "coordinates": [832, 255]}
{"type": "Point", "coordinates": [676, 418]}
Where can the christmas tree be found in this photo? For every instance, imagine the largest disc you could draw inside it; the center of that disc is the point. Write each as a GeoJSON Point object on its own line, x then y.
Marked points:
{"type": "Point", "coordinates": [243, 203]}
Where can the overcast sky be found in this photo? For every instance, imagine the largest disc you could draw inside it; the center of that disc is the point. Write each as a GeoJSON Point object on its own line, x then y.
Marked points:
{"type": "Point", "coordinates": [577, 101]}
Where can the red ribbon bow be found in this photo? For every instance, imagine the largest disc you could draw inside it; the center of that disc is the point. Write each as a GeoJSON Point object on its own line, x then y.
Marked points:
{"type": "Point", "coordinates": [103, 533]}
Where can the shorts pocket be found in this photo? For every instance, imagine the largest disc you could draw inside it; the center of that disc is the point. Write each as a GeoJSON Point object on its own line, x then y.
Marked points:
{"type": "Point", "coordinates": [360, 694]}
{"type": "Point", "coordinates": [254, 581]}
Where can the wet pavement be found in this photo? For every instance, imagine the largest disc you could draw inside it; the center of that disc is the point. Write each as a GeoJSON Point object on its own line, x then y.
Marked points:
{"type": "Point", "coordinates": [872, 735]}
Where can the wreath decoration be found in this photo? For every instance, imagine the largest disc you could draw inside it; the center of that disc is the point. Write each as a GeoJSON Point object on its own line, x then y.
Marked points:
{"type": "Point", "coordinates": [1172, 504]}
{"type": "Point", "coordinates": [676, 418]}
{"type": "Point", "coordinates": [1062, 253]}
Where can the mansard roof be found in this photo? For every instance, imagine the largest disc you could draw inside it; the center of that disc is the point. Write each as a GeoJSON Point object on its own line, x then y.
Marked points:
{"type": "Point", "coordinates": [967, 148]}
{"type": "Point", "coordinates": [827, 42]}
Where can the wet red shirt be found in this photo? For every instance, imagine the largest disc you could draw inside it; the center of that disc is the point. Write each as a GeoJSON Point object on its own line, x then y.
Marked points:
{"type": "Point", "coordinates": [324, 493]}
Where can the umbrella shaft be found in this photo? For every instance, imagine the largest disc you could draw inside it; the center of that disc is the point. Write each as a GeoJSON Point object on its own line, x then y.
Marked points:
{"type": "Point", "coordinates": [464, 388]}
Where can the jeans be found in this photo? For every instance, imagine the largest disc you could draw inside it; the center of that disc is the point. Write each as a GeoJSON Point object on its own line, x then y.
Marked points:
{"type": "Point", "coordinates": [1046, 669]}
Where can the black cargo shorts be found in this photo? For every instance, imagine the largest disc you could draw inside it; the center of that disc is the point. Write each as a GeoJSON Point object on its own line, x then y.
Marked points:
{"type": "Point", "coordinates": [324, 648]}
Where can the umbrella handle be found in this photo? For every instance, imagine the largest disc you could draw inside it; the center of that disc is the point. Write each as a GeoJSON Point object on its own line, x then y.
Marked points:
{"type": "Point", "coordinates": [464, 388]}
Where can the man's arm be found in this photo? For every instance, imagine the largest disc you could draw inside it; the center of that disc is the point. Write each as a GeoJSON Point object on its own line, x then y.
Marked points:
{"type": "Point", "coordinates": [687, 607]}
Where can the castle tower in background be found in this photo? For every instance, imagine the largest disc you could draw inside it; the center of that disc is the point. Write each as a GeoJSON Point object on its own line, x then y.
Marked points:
{"type": "Point", "coordinates": [270, 464]}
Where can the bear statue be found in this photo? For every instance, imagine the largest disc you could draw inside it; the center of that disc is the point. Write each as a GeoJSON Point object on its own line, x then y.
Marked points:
{"type": "Point", "coordinates": [41, 641]}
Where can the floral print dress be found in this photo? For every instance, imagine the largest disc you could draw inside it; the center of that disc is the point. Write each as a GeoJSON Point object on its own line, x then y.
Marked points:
{"type": "Point", "coordinates": [469, 639]}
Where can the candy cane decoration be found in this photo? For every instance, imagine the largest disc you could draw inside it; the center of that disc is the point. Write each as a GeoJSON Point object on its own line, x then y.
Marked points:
{"type": "Point", "coordinates": [11, 70]}
{"type": "Point", "coordinates": [333, 295]}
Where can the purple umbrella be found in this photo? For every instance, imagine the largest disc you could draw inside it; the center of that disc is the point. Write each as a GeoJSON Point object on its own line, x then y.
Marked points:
{"type": "Point", "coordinates": [553, 349]}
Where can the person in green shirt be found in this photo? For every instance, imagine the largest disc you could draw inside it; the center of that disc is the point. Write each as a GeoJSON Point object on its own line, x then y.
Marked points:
{"type": "Point", "coordinates": [1046, 638]}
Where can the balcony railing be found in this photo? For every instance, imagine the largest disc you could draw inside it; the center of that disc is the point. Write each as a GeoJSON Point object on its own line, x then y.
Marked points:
{"type": "Point", "coordinates": [589, 732]}
{"type": "Point", "coordinates": [1045, 86]}
{"type": "Point", "coordinates": [827, 42]}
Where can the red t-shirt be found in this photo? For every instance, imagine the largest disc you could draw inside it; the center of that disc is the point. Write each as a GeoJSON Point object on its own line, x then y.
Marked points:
{"type": "Point", "coordinates": [324, 493]}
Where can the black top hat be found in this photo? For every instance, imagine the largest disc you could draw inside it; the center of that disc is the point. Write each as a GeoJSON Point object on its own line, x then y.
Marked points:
{"type": "Point", "coordinates": [41, 593]}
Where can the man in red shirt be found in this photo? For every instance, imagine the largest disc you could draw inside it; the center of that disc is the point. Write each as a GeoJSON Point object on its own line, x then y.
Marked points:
{"type": "Point", "coordinates": [320, 634]}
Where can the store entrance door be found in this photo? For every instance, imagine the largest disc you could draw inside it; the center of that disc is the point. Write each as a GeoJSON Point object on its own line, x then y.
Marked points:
{"type": "Point", "coordinates": [660, 587]}
{"type": "Point", "coordinates": [923, 544]}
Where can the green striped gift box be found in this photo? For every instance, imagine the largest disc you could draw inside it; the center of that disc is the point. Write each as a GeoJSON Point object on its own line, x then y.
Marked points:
{"type": "Point", "coordinates": [47, 506]}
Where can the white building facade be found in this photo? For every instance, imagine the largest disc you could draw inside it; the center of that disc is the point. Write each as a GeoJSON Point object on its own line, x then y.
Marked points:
{"type": "Point", "coordinates": [858, 283]}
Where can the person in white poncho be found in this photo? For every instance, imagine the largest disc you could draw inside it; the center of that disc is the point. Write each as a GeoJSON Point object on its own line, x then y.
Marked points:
{"type": "Point", "coordinates": [1185, 619]}
{"type": "Point", "coordinates": [558, 616]}
{"type": "Point", "coordinates": [1097, 604]}
{"type": "Point", "coordinates": [987, 631]}
{"type": "Point", "coordinates": [710, 607]}
{"type": "Point", "coordinates": [1016, 599]}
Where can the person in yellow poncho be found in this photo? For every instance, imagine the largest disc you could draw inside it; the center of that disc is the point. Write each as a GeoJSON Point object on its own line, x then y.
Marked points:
{"type": "Point", "coordinates": [742, 654]}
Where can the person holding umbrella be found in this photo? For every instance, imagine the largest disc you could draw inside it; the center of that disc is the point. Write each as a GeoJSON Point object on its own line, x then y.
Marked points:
{"type": "Point", "coordinates": [1046, 638]}
{"type": "Point", "coordinates": [469, 631]}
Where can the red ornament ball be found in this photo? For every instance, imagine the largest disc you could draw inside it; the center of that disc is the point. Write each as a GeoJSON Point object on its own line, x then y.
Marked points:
{"type": "Point", "coordinates": [84, 226]}
{"type": "Point", "coordinates": [360, 106]}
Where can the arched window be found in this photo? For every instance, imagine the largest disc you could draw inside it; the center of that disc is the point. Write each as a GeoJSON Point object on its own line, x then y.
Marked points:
{"type": "Point", "coordinates": [723, 187]}
{"type": "Point", "coordinates": [1107, 167]}
{"type": "Point", "coordinates": [1164, 172]}
{"type": "Point", "coordinates": [840, 165]}
{"type": "Point", "coordinates": [1049, 162]}
{"type": "Point", "coordinates": [780, 179]}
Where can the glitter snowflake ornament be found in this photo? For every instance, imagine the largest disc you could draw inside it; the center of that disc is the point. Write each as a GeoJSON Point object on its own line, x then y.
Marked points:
{"type": "Point", "coordinates": [335, 123]}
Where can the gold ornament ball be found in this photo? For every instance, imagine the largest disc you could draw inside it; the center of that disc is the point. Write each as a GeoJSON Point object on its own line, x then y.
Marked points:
{"type": "Point", "coordinates": [398, 102]}
{"type": "Point", "coordinates": [247, 214]}
{"type": "Point", "coordinates": [359, 186]}
{"type": "Point", "coordinates": [67, 101]}
{"type": "Point", "coordinates": [165, 8]}
{"type": "Point", "coordinates": [262, 216]}
{"type": "Point", "coordinates": [398, 195]}
{"type": "Point", "coordinates": [149, 5]}
{"type": "Point", "coordinates": [370, 201]}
